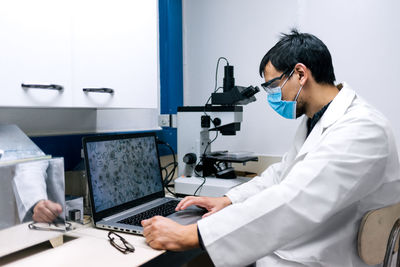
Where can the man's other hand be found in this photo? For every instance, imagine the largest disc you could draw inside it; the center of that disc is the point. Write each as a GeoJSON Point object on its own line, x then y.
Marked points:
{"type": "Point", "coordinates": [46, 211]}
{"type": "Point", "coordinates": [212, 204]}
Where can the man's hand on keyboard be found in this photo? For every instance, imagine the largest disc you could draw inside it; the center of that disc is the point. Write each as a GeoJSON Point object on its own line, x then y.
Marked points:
{"type": "Point", "coordinates": [164, 233]}
{"type": "Point", "coordinates": [211, 204]}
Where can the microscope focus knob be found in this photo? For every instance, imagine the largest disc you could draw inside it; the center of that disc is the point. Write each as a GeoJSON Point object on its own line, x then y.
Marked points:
{"type": "Point", "coordinates": [217, 122]}
{"type": "Point", "coordinates": [190, 158]}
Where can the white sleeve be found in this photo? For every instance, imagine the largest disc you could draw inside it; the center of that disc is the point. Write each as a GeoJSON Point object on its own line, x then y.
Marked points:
{"type": "Point", "coordinates": [344, 168]}
{"type": "Point", "coordinates": [268, 178]}
{"type": "Point", "coordinates": [29, 185]}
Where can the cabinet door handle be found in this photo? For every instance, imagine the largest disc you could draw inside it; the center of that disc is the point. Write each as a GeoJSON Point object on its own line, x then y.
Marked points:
{"type": "Point", "coordinates": [42, 86]}
{"type": "Point", "coordinates": [99, 90]}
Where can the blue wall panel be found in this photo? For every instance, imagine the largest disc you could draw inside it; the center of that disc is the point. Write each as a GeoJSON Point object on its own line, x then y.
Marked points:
{"type": "Point", "coordinates": [171, 64]}
{"type": "Point", "coordinates": [171, 55]}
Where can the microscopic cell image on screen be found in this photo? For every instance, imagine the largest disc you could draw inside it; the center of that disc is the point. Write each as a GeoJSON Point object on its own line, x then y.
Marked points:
{"type": "Point", "coordinates": [123, 170]}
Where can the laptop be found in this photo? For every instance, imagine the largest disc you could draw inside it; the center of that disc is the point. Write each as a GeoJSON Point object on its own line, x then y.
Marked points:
{"type": "Point", "coordinates": [125, 183]}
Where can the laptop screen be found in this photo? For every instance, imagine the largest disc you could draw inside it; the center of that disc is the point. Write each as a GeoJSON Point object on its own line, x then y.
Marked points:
{"type": "Point", "coordinates": [122, 169]}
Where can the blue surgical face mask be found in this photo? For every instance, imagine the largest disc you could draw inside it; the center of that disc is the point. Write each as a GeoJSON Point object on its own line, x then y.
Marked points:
{"type": "Point", "coordinates": [286, 109]}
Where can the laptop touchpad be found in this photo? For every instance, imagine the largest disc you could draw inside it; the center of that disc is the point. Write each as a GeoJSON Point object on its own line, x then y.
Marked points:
{"type": "Point", "coordinates": [188, 216]}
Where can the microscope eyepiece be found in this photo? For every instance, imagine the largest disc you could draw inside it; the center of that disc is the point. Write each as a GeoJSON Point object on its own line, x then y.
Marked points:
{"type": "Point", "coordinates": [250, 91]}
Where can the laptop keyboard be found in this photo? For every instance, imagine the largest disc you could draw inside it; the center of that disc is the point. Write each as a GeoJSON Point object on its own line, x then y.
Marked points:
{"type": "Point", "coordinates": [164, 210]}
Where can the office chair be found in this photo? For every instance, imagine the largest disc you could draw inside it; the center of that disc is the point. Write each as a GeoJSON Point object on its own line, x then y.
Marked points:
{"type": "Point", "coordinates": [378, 236]}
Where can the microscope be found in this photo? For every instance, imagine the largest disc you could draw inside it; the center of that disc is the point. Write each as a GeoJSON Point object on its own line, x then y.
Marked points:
{"type": "Point", "coordinates": [201, 171]}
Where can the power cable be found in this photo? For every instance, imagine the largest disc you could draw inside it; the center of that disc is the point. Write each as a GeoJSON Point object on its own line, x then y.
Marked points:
{"type": "Point", "coordinates": [216, 135]}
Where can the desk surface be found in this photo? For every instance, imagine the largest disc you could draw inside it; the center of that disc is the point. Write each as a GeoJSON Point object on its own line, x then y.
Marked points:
{"type": "Point", "coordinates": [20, 236]}
{"type": "Point", "coordinates": [87, 247]}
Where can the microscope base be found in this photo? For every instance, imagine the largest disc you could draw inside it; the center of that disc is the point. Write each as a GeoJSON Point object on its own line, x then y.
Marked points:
{"type": "Point", "coordinates": [213, 187]}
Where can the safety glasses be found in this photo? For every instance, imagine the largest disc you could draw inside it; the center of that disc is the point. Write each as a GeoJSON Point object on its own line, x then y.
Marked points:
{"type": "Point", "coordinates": [271, 83]}
{"type": "Point", "coordinates": [267, 86]}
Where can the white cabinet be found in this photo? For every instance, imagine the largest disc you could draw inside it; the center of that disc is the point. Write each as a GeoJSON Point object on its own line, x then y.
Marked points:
{"type": "Point", "coordinates": [79, 44]}
{"type": "Point", "coordinates": [34, 49]}
{"type": "Point", "coordinates": [115, 46]}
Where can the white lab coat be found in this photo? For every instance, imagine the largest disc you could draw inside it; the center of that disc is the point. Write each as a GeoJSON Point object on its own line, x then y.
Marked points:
{"type": "Point", "coordinates": [29, 186]}
{"type": "Point", "coordinates": [306, 210]}
{"type": "Point", "coordinates": [24, 184]}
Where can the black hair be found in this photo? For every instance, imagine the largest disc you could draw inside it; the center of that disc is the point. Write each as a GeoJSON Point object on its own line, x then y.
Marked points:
{"type": "Point", "coordinates": [305, 48]}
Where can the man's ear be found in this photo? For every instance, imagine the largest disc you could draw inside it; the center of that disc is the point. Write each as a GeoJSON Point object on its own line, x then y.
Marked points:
{"type": "Point", "coordinates": [302, 73]}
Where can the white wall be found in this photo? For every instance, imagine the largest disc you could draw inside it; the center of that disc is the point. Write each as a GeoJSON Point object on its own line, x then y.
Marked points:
{"type": "Point", "coordinates": [362, 36]}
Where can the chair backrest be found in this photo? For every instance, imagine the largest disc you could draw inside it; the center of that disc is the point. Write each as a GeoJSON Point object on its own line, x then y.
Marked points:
{"type": "Point", "coordinates": [374, 232]}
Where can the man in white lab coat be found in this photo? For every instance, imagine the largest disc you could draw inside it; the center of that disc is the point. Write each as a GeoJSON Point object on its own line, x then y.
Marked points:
{"type": "Point", "coordinates": [31, 193]}
{"type": "Point", "coordinates": [306, 209]}
{"type": "Point", "coordinates": [28, 193]}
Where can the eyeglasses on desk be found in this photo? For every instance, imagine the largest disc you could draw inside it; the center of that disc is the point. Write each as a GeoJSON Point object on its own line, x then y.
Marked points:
{"type": "Point", "coordinates": [120, 243]}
